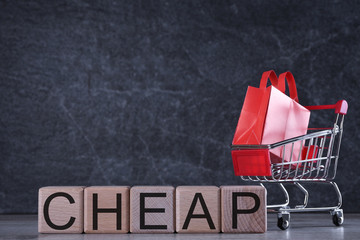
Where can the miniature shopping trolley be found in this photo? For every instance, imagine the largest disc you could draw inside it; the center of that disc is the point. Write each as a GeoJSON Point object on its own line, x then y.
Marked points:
{"type": "Point", "coordinates": [316, 162]}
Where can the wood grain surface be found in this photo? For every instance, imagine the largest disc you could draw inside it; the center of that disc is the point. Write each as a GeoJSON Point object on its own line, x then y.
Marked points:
{"type": "Point", "coordinates": [112, 214]}
{"type": "Point", "coordinates": [197, 209]}
{"type": "Point", "coordinates": [63, 207]}
{"type": "Point", "coordinates": [152, 209]}
{"type": "Point", "coordinates": [249, 212]}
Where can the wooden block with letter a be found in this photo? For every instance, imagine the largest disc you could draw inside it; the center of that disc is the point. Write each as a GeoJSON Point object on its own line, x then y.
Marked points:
{"type": "Point", "coordinates": [197, 209]}
{"type": "Point", "coordinates": [106, 209]}
{"type": "Point", "coordinates": [243, 209]}
{"type": "Point", "coordinates": [61, 209]}
{"type": "Point", "coordinates": [152, 209]}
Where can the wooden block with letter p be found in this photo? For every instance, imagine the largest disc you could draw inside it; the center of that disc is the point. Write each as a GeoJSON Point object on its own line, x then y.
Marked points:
{"type": "Point", "coordinates": [197, 209]}
{"type": "Point", "coordinates": [61, 209]}
{"type": "Point", "coordinates": [106, 209]}
{"type": "Point", "coordinates": [152, 209]}
{"type": "Point", "coordinates": [243, 209]}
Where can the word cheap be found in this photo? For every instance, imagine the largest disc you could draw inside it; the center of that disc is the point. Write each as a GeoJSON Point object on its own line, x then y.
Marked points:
{"type": "Point", "coordinates": [152, 209]}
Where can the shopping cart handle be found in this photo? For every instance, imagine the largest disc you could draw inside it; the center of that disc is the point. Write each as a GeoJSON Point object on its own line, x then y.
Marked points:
{"type": "Point", "coordinates": [340, 107]}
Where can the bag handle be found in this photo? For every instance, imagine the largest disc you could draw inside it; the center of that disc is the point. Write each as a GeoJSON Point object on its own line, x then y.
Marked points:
{"type": "Point", "coordinates": [269, 75]}
{"type": "Point", "coordinates": [291, 84]}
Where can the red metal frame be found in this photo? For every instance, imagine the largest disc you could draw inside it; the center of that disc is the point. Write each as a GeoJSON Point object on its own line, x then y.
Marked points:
{"type": "Point", "coordinates": [340, 107]}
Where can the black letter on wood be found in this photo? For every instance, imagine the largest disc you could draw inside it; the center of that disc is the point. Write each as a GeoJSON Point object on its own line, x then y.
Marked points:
{"type": "Point", "coordinates": [46, 211]}
{"type": "Point", "coordinates": [198, 196]}
{"type": "Point", "coordinates": [237, 211]}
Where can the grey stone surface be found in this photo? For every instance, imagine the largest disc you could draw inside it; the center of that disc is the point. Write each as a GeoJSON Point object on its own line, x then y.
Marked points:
{"type": "Point", "coordinates": [302, 226]}
{"type": "Point", "coordinates": [149, 92]}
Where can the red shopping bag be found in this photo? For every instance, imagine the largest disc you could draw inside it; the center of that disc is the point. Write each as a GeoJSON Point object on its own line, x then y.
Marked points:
{"type": "Point", "coordinates": [269, 116]}
{"type": "Point", "coordinates": [250, 126]}
{"type": "Point", "coordinates": [297, 120]}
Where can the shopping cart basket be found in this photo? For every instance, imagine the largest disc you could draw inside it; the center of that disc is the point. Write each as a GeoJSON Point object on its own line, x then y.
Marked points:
{"type": "Point", "coordinates": [316, 163]}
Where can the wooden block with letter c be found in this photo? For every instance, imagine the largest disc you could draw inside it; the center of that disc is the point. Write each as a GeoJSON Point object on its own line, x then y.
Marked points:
{"type": "Point", "coordinates": [61, 209]}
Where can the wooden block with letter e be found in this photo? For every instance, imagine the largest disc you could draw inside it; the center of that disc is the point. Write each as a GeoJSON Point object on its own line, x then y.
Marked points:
{"type": "Point", "coordinates": [152, 209]}
{"type": "Point", "coordinates": [61, 209]}
{"type": "Point", "coordinates": [243, 209]}
{"type": "Point", "coordinates": [197, 209]}
{"type": "Point", "coordinates": [106, 209]}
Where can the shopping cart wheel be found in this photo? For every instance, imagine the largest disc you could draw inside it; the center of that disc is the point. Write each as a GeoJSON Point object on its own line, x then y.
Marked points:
{"type": "Point", "coordinates": [338, 217]}
{"type": "Point", "coordinates": [283, 221]}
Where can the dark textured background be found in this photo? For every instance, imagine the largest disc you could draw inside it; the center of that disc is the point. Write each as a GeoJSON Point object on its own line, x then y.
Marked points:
{"type": "Point", "coordinates": [149, 92]}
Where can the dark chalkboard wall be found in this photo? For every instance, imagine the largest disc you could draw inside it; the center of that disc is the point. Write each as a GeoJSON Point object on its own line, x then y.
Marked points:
{"type": "Point", "coordinates": [149, 92]}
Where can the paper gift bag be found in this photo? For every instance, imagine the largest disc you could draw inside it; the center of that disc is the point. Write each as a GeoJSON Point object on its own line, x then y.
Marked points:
{"type": "Point", "coordinates": [250, 126]}
{"type": "Point", "coordinates": [269, 116]}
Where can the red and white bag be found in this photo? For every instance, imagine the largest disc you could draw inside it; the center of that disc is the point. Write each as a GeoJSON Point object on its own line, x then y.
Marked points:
{"type": "Point", "coordinates": [268, 116]}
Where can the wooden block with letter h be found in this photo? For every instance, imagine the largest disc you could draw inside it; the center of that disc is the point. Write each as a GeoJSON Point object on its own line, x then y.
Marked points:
{"type": "Point", "coordinates": [152, 209]}
{"type": "Point", "coordinates": [197, 209]}
{"type": "Point", "coordinates": [243, 209]}
{"type": "Point", "coordinates": [106, 209]}
{"type": "Point", "coordinates": [61, 209]}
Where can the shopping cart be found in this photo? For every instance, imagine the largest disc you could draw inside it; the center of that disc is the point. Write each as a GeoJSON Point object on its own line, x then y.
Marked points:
{"type": "Point", "coordinates": [316, 163]}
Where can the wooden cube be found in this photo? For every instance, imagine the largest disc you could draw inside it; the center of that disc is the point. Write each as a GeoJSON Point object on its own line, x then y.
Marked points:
{"type": "Point", "coordinates": [106, 209]}
{"type": "Point", "coordinates": [61, 209]}
{"type": "Point", "coordinates": [197, 209]}
{"type": "Point", "coordinates": [152, 209]}
{"type": "Point", "coordinates": [243, 209]}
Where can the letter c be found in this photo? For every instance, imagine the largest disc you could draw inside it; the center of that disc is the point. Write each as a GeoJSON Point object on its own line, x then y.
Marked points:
{"type": "Point", "coordinates": [46, 211]}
